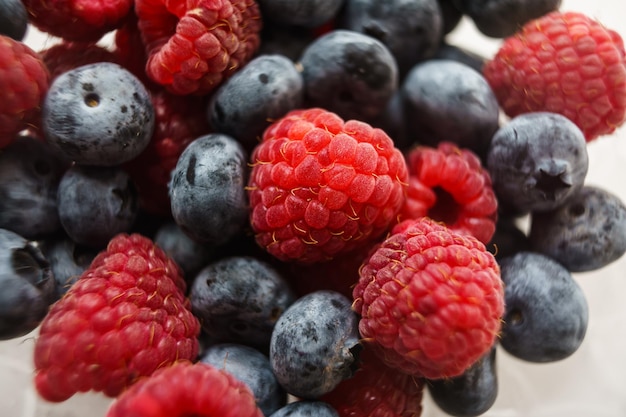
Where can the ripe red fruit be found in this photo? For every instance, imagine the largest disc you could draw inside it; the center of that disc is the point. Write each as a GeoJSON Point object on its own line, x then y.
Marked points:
{"type": "Point", "coordinates": [185, 389]}
{"type": "Point", "coordinates": [320, 186]}
{"type": "Point", "coordinates": [450, 185]}
{"type": "Point", "coordinates": [125, 317]}
{"type": "Point", "coordinates": [67, 55]}
{"type": "Point", "coordinates": [430, 299]}
{"type": "Point", "coordinates": [194, 46]}
{"type": "Point", "coordinates": [566, 63]}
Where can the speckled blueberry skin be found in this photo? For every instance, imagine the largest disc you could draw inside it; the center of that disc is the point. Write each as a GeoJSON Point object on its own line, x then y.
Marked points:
{"type": "Point", "coordinates": [315, 344]}
{"type": "Point", "coordinates": [30, 172]}
{"type": "Point", "coordinates": [13, 19]}
{"type": "Point", "coordinates": [546, 313]}
{"type": "Point", "coordinates": [253, 368]}
{"type": "Point", "coordinates": [537, 161]}
{"type": "Point", "coordinates": [207, 189]}
{"type": "Point", "coordinates": [586, 233]}
{"type": "Point", "coordinates": [303, 13]}
{"type": "Point", "coordinates": [349, 73]}
{"type": "Point", "coordinates": [26, 285]}
{"type": "Point", "coordinates": [239, 299]}
{"type": "Point", "coordinates": [96, 203]}
{"type": "Point", "coordinates": [264, 90]}
{"type": "Point", "coordinates": [98, 114]}
{"type": "Point", "coordinates": [304, 408]}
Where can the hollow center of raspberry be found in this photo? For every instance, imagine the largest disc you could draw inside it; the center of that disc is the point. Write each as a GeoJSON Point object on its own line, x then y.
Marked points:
{"type": "Point", "coordinates": [445, 209]}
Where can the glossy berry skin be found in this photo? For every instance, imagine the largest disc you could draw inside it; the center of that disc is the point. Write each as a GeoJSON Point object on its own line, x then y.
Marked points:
{"type": "Point", "coordinates": [251, 367]}
{"type": "Point", "coordinates": [186, 389]}
{"type": "Point", "coordinates": [27, 285]}
{"type": "Point", "coordinates": [321, 186]}
{"type": "Point", "coordinates": [304, 408]}
{"type": "Point", "coordinates": [303, 13]}
{"type": "Point", "coordinates": [537, 161]}
{"type": "Point", "coordinates": [98, 114]}
{"type": "Point", "coordinates": [429, 299]}
{"type": "Point", "coordinates": [206, 189]}
{"type": "Point", "coordinates": [315, 344]}
{"type": "Point", "coordinates": [446, 100]}
{"type": "Point", "coordinates": [264, 90]}
{"type": "Point", "coordinates": [30, 172]}
{"type": "Point", "coordinates": [13, 19]}
{"type": "Point", "coordinates": [586, 233]}
{"type": "Point", "coordinates": [546, 313]}
{"type": "Point", "coordinates": [126, 317]}
{"type": "Point", "coordinates": [566, 63]}
{"type": "Point", "coordinates": [239, 299]}
{"type": "Point", "coordinates": [96, 203]}
{"type": "Point", "coordinates": [335, 79]}
{"type": "Point", "coordinates": [189, 254]}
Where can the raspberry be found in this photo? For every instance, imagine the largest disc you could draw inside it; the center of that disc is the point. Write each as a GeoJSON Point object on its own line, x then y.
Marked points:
{"type": "Point", "coordinates": [430, 299]}
{"type": "Point", "coordinates": [24, 81]}
{"type": "Point", "coordinates": [320, 186]}
{"type": "Point", "coordinates": [77, 20]}
{"type": "Point", "coordinates": [450, 185]}
{"type": "Point", "coordinates": [377, 390]}
{"type": "Point", "coordinates": [125, 317]}
{"type": "Point", "coordinates": [186, 389]}
{"type": "Point", "coordinates": [193, 46]}
{"type": "Point", "coordinates": [67, 55]}
{"type": "Point", "coordinates": [566, 63]}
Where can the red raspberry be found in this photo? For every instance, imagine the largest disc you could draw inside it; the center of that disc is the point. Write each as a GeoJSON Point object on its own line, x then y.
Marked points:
{"type": "Point", "coordinates": [67, 55]}
{"type": "Point", "coordinates": [320, 186]}
{"type": "Point", "coordinates": [195, 45]}
{"type": "Point", "coordinates": [77, 20]}
{"type": "Point", "coordinates": [377, 390]}
{"type": "Point", "coordinates": [179, 121]}
{"type": "Point", "coordinates": [450, 185]}
{"type": "Point", "coordinates": [430, 299]}
{"type": "Point", "coordinates": [125, 317]}
{"type": "Point", "coordinates": [24, 82]}
{"type": "Point", "coordinates": [184, 390]}
{"type": "Point", "coordinates": [566, 63]}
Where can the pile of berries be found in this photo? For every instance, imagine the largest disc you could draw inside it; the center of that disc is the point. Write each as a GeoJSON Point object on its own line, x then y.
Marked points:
{"type": "Point", "coordinates": [263, 208]}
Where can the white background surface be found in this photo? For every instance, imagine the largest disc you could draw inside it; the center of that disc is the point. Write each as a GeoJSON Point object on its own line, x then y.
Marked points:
{"type": "Point", "coordinates": [591, 383]}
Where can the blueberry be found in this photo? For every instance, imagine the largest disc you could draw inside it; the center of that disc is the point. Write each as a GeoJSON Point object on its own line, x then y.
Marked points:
{"type": "Point", "coordinates": [411, 29]}
{"type": "Point", "coordinates": [304, 408]}
{"type": "Point", "coordinates": [450, 14]}
{"type": "Point", "coordinates": [349, 73]}
{"type": "Point", "coordinates": [189, 254]}
{"type": "Point", "coordinates": [264, 90]}
{"type": "Point", "coordinates": [13, 19]}
{"type": "Point", "coordinates": [470, 394]}
{"type": "Point", "coordinates": [251, 367]}
{"type": "Point", "coordinates": [537, 161]}
{"type": "Point", "coordinates": [304, 13]}
{"type": "Point", "coordinates": [96, 203]}
{"type": "Point", "coordinates": [392, 120]}
{"type": "Point", "coordinates": [315, 344]}
{"type": "Point", "coordinates": [460, 54]}
{"type": "Point", "coordinates": [98, 114]}
{"type": "Point", "coordinates": [586, 233]}
{"type": "Point", "coordinates": [207, 193]}
{"type": "Point", "coordinates": [30, 172]}
{"type": "Point", "coordinates": [288, 41]}
{"type": "Point", "coordinates": [508, 238]}
{"type": "Point", "coordinates": [26, 285]}
{"type": "Point", "coordinates": [546, 312]}
{"type": "Point", "coordinates": [448, 100]}
{"type": "Point", "coordinates": [239, 299]}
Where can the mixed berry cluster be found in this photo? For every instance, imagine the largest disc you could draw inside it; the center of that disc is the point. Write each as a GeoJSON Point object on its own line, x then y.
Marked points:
{"type": "Point", "coordinates": [271, 208]}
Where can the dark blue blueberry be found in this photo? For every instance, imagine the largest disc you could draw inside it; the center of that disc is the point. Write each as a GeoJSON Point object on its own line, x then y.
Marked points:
{"type": "Point", "coordinates": [586, 233]}
{"type": "Point", "coordinates": [459, 54]}
{"type": "Point", "coordinates": [304, 13]}
{"type": "Point", "coordinates": [537, 161]}
{"type": "Point", "coordinates": [411, 29]}
{"type": "Point", "coordinates": [207, 189]}
{"type": "Point", "coordinates": [96, 203]}
{"type": "Point", "coordinates": [251, 367]}
{"type": "Point", "coordinates": [26, 285]}
{"type": "Point", "coordinates": [304, 408]}
{"type": "Point", "coordinates": [349, 73]}
{"type": "Point", "coordinates": [264, 90]}
{"type": "Point", "coordinates": [315, 344]}
{"type": "Point", "coordinates": [30, 172]}
{"type": "Point", "coordinates": [288, 41]}
{"type": "Point", "coordinates": [446, 100]}
{"type": "Point", "coordinates": [450, 15]}
{"type": "Point", "coordinates": [98, 114]}
{"type": "Point", "coordinates": [470, 394]}
{"type": "Point", "coordinates": [508, 238]}
{"type": "Point", "coordinates": [13, 19]}
{"type": "Point", "coordinates": [546, 313]}
{"type": "Point", "coordinates": [392, 121]}
{"type": "Point", "coordinates": [239, 299]}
